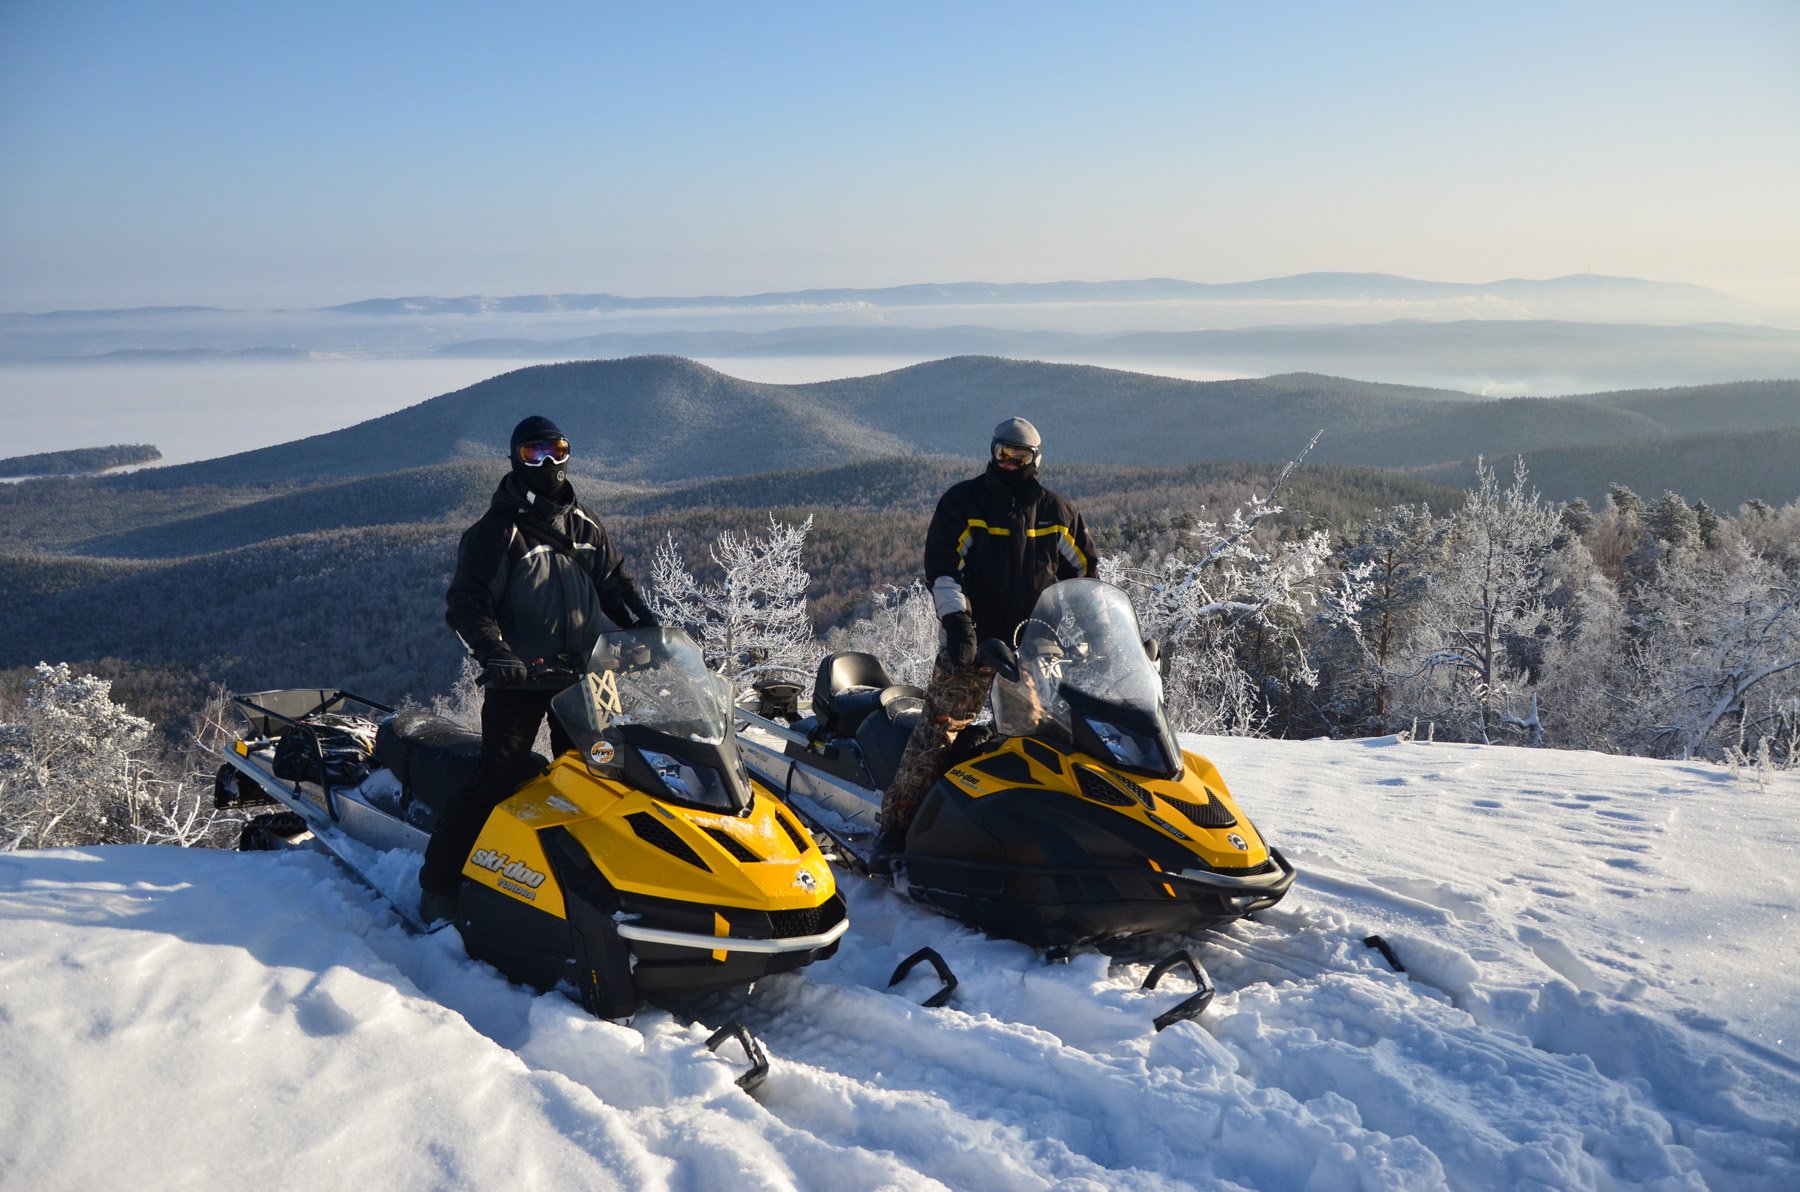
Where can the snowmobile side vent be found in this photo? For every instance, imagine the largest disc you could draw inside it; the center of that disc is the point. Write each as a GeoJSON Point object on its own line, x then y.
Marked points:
{"type": "Point", "coordinates": [732, 845]}
{"type": "Point", "coordinates": [1007, 767]}
{"type": "Point", "coordinates": [801, 840]}
{"type": "Point", "coordinates": [1137, 792]}
{"type": "Point", "coordinates": [653, 831]}
{"type": "Point", "coordinates": [1099, 789]}
{"type": "Point", "coordinates": [1043, 755]}
{"type": "Point", "coordinates": [1210, 814]}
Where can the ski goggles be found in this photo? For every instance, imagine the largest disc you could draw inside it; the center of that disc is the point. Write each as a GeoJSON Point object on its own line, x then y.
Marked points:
{"type": "Point", "coordinates": [1014, 453]}
{"type": "Point", "coordinates": [551, 451]}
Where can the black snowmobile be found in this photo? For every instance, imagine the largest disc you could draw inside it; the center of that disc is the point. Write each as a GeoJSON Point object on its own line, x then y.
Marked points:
{"type": "Point", "coordinates": [1073, 819]}
{"type": "Point", "coordinates": [644, 861]}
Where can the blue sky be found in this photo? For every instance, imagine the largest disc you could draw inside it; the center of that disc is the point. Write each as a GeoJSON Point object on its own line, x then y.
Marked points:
{"type": "Point", "coordinates": [296, 155]}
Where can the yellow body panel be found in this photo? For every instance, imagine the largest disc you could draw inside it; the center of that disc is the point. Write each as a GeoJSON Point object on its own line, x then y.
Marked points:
{"type": "Point", "coordinates": [509, 858]}
{"type": "Point", "coordinates": [1199, 783]}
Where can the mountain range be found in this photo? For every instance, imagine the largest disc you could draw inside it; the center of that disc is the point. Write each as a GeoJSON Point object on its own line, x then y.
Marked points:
{"type": "Point", "coordinates": [663, 420]}
{"type": "Point", "coordinates": [324, 559]}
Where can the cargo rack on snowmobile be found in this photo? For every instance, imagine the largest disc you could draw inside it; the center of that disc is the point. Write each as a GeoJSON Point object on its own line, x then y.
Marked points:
{"type": "Point", "coordinates": [272, 714]}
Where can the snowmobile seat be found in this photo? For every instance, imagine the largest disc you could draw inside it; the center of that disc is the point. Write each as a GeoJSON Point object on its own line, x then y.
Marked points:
{"type": "Point", "coordinates": [882, 739]}
{"type": "Point", "coordinates": [849, 686]}
{"type": "Point", "coordinates": [432, 757]}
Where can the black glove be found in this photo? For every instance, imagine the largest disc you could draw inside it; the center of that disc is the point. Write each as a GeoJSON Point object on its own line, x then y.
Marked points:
{"type": "Point", "coordinates": [959, 638]}
{"type": "Point", "coordinates": [503, 668]}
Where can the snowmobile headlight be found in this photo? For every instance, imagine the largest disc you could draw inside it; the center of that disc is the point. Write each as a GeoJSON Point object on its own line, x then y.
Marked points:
{"type": "Point", "coordinates": [1134, 751]}
{"type": "Point", "coordinates": [701, 785]}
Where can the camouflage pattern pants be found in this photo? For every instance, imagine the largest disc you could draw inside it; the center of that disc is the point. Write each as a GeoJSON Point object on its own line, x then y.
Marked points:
{"type": "Point", "coordinates": [952, 698]}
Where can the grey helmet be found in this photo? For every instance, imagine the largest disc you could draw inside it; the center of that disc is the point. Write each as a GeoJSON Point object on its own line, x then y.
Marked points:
{"type": "Point", "coordinates": [1017, 432]}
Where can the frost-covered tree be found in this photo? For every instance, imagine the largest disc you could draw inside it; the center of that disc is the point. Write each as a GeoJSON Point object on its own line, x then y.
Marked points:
{"type": "Point", "coordinates": [1228, 610]}
{"type": "Point", "coordinates": [1584, 672]}
{"type": "Point", "coordinates": [73, 766]}
{"type": "Point", "coordinates": [462, 703]}
{"type": "Point", "coordinates": [901, 630]}
{"type": "Point", "coordinates": [1488, 620]}
{"type": "Point", "coordinates": [755, 614]}
{"type": "Point", "coordinates": [1395, 554]}
{"type": "Point", "coordinates": [1717, 663]}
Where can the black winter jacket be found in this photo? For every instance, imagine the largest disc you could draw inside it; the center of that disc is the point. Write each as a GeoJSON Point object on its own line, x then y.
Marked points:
{"type": "Point", "coordinates": [991, 550]}
{"type": "Point", "coordinates": [539, 578]}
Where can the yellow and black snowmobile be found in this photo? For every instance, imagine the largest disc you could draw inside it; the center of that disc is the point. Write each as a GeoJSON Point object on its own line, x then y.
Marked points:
{"type": "Point", "coordinates": [645, 860]}
{"type": "Point", "coordinates": [1073, 818]}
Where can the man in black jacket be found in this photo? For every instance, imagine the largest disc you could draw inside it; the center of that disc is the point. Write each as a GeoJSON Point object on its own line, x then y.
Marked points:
{"type": "Point", "coordinates": [994, 544]}
{"type": "Point", "coordinates": [537, 581]}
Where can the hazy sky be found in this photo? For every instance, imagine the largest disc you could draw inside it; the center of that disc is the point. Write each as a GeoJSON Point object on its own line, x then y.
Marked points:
{"type": "Point", "coordinates": [263, 155]}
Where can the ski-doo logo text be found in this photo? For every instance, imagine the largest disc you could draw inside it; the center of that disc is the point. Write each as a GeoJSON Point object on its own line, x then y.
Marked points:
{"type": "Point", "coordinates": [509, 869]}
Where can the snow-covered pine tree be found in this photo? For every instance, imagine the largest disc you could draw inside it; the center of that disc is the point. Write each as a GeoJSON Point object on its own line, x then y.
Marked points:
{"type": "Point", "coordinates": [754, 615]}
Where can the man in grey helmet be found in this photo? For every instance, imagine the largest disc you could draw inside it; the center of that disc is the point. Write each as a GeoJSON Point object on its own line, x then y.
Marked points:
{"type": "Point", "coordinates": [994, 544]}
{"type": "Point", "coordinates": [537, 581]}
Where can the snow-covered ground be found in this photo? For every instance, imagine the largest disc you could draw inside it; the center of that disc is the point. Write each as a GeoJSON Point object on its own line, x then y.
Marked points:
{"type": "Point", "coordinates": [1601, 993]}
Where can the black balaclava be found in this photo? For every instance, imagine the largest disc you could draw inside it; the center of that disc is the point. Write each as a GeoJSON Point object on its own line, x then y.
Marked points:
{"type": "Point", "coordinates": [1019, 433]}
{"type": "Point", "coordinates": [545, 481]}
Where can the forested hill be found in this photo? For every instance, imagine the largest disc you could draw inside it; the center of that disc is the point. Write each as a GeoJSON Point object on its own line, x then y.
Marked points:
{"type": "Point", "coordinates": [662, 419]}
{"type": "Point", "coordinates": [342, 581]}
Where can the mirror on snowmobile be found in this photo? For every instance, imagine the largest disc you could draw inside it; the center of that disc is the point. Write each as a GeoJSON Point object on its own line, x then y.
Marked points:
{"type": "Point", "coordinates": [1002, 657]}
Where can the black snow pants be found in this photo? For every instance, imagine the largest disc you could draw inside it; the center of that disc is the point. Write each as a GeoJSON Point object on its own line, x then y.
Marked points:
{"type": "Point", "coordinates": [509, 724]}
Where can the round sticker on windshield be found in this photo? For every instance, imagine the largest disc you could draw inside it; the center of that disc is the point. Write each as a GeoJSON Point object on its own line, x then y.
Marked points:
{"type": "Point", "coordinates": [602, 752]}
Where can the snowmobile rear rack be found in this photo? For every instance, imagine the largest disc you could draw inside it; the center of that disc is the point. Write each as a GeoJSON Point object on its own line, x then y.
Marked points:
{"type": "Point", "coordinates": [271, 714]}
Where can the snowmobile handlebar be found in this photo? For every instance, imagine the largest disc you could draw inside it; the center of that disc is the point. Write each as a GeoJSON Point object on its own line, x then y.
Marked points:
{"type": "Point", "coordinates": [539, 676]}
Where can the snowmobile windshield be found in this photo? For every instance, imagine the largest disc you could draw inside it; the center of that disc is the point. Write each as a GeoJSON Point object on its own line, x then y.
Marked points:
{"type": "Point", "coordinates": [654, 678]}
{"type": "Point", "coordinates": [650, 708]}
{"type": "Point", "coordinates": [1084, 675]}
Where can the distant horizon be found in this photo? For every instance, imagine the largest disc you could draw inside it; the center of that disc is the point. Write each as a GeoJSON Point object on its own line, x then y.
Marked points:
{"type": "Point", "coordinates": [453, 295]}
